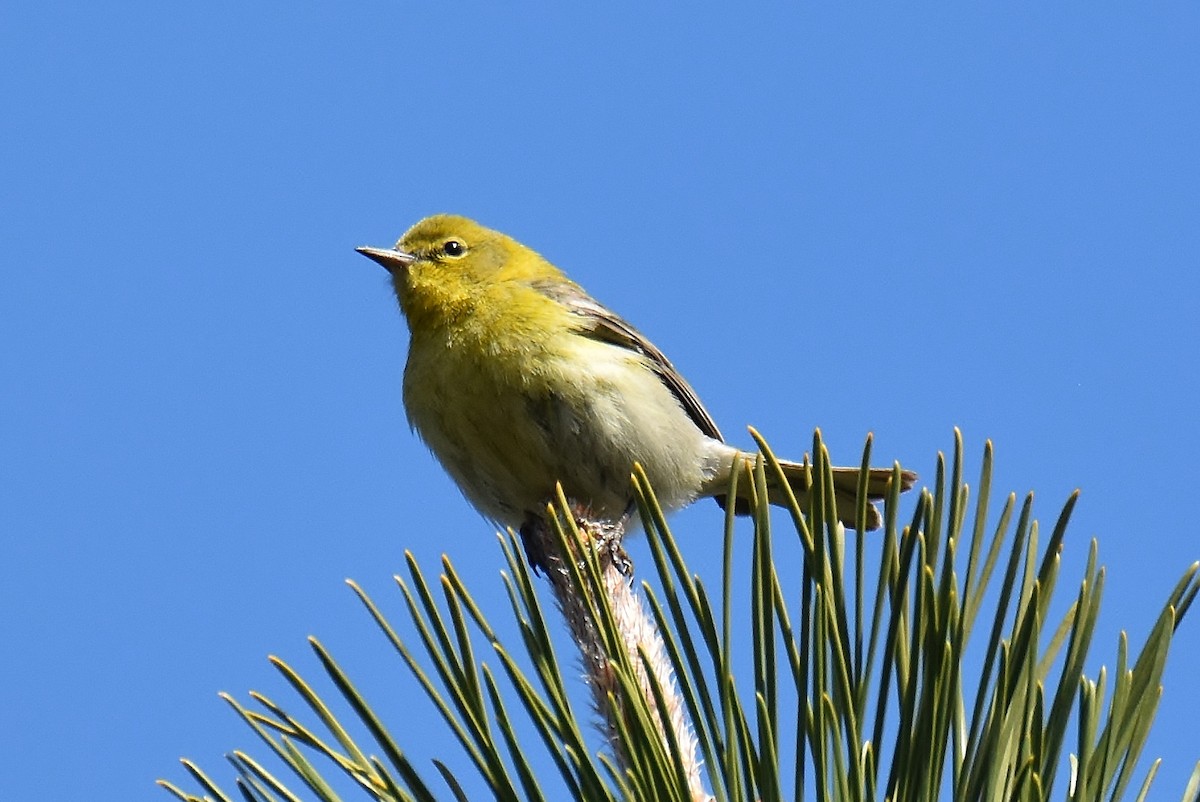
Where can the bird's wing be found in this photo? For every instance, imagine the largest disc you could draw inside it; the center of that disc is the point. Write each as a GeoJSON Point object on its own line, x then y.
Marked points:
{"type": "Point", "coordinates": [601, 323]}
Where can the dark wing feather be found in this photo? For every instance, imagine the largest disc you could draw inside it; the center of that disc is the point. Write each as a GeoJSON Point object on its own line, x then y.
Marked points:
{"type": "Point", "coordinates": [601, 323]}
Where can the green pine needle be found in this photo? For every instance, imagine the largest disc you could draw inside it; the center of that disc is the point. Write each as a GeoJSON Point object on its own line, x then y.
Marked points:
{"type": "Point", "coordinates": [856, 688]}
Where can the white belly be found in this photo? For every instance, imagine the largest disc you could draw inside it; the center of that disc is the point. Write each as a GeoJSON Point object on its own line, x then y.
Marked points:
{"type": "Point", "coordinates": [506, 440]}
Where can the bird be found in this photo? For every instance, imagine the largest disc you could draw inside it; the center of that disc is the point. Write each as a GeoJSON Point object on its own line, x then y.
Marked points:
{"type": "Point", "coordinates": [519, 381]}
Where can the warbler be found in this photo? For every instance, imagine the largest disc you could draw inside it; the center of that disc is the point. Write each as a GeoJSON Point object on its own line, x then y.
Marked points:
{"type": "Point", "coordinates": [517, 379]}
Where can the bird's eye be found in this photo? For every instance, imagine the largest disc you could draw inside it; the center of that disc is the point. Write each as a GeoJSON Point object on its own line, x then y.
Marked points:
{"type": "Point", "coordinates": [453, 247]}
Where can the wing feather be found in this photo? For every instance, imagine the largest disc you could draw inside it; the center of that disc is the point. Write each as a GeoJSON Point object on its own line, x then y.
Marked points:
{"type": "Point", "coordinates": [601, 323]}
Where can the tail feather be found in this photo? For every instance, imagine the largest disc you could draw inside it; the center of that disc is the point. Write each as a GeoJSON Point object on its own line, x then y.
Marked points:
{"type": "Point", "coordinates": [845, 491]}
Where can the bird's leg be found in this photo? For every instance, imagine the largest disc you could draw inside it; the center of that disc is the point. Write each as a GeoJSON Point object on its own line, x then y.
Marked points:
{"type": "Point", "coordinates": [533, 538]}
{"type": "Point", "coordinates": [605, 540]}
{"type": "Point", "coordinates": [605, 536]}
{"type": "Point", "coordinates": [612, 542]}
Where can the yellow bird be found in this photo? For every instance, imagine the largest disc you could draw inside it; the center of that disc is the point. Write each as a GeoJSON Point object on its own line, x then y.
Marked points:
{"type": "Point", "coordinates": [517, 379]}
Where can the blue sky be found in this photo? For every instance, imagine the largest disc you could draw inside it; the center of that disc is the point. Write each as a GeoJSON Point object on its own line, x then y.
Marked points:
{"type": "Point", "coordinates": [884, 219]}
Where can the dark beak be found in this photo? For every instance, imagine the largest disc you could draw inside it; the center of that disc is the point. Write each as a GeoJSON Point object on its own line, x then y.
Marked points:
{"type": "Point", "coordinates": [391, 259]}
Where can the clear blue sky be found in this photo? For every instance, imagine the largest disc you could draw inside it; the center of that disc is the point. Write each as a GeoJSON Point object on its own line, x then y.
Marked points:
{"type": "Point", "coordinates": [889, 220]}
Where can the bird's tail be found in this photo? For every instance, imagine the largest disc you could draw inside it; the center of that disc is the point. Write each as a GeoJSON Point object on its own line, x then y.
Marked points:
{"type": "Point", "coordinates": [845, 490]}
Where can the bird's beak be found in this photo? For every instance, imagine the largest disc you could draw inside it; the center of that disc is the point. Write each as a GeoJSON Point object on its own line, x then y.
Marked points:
{"type": "Point", "coordinates": [391, 259]}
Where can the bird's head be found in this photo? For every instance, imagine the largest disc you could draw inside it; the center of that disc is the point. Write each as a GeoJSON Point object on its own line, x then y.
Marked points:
{"type": "Point", "coordinates": [446, 262]}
